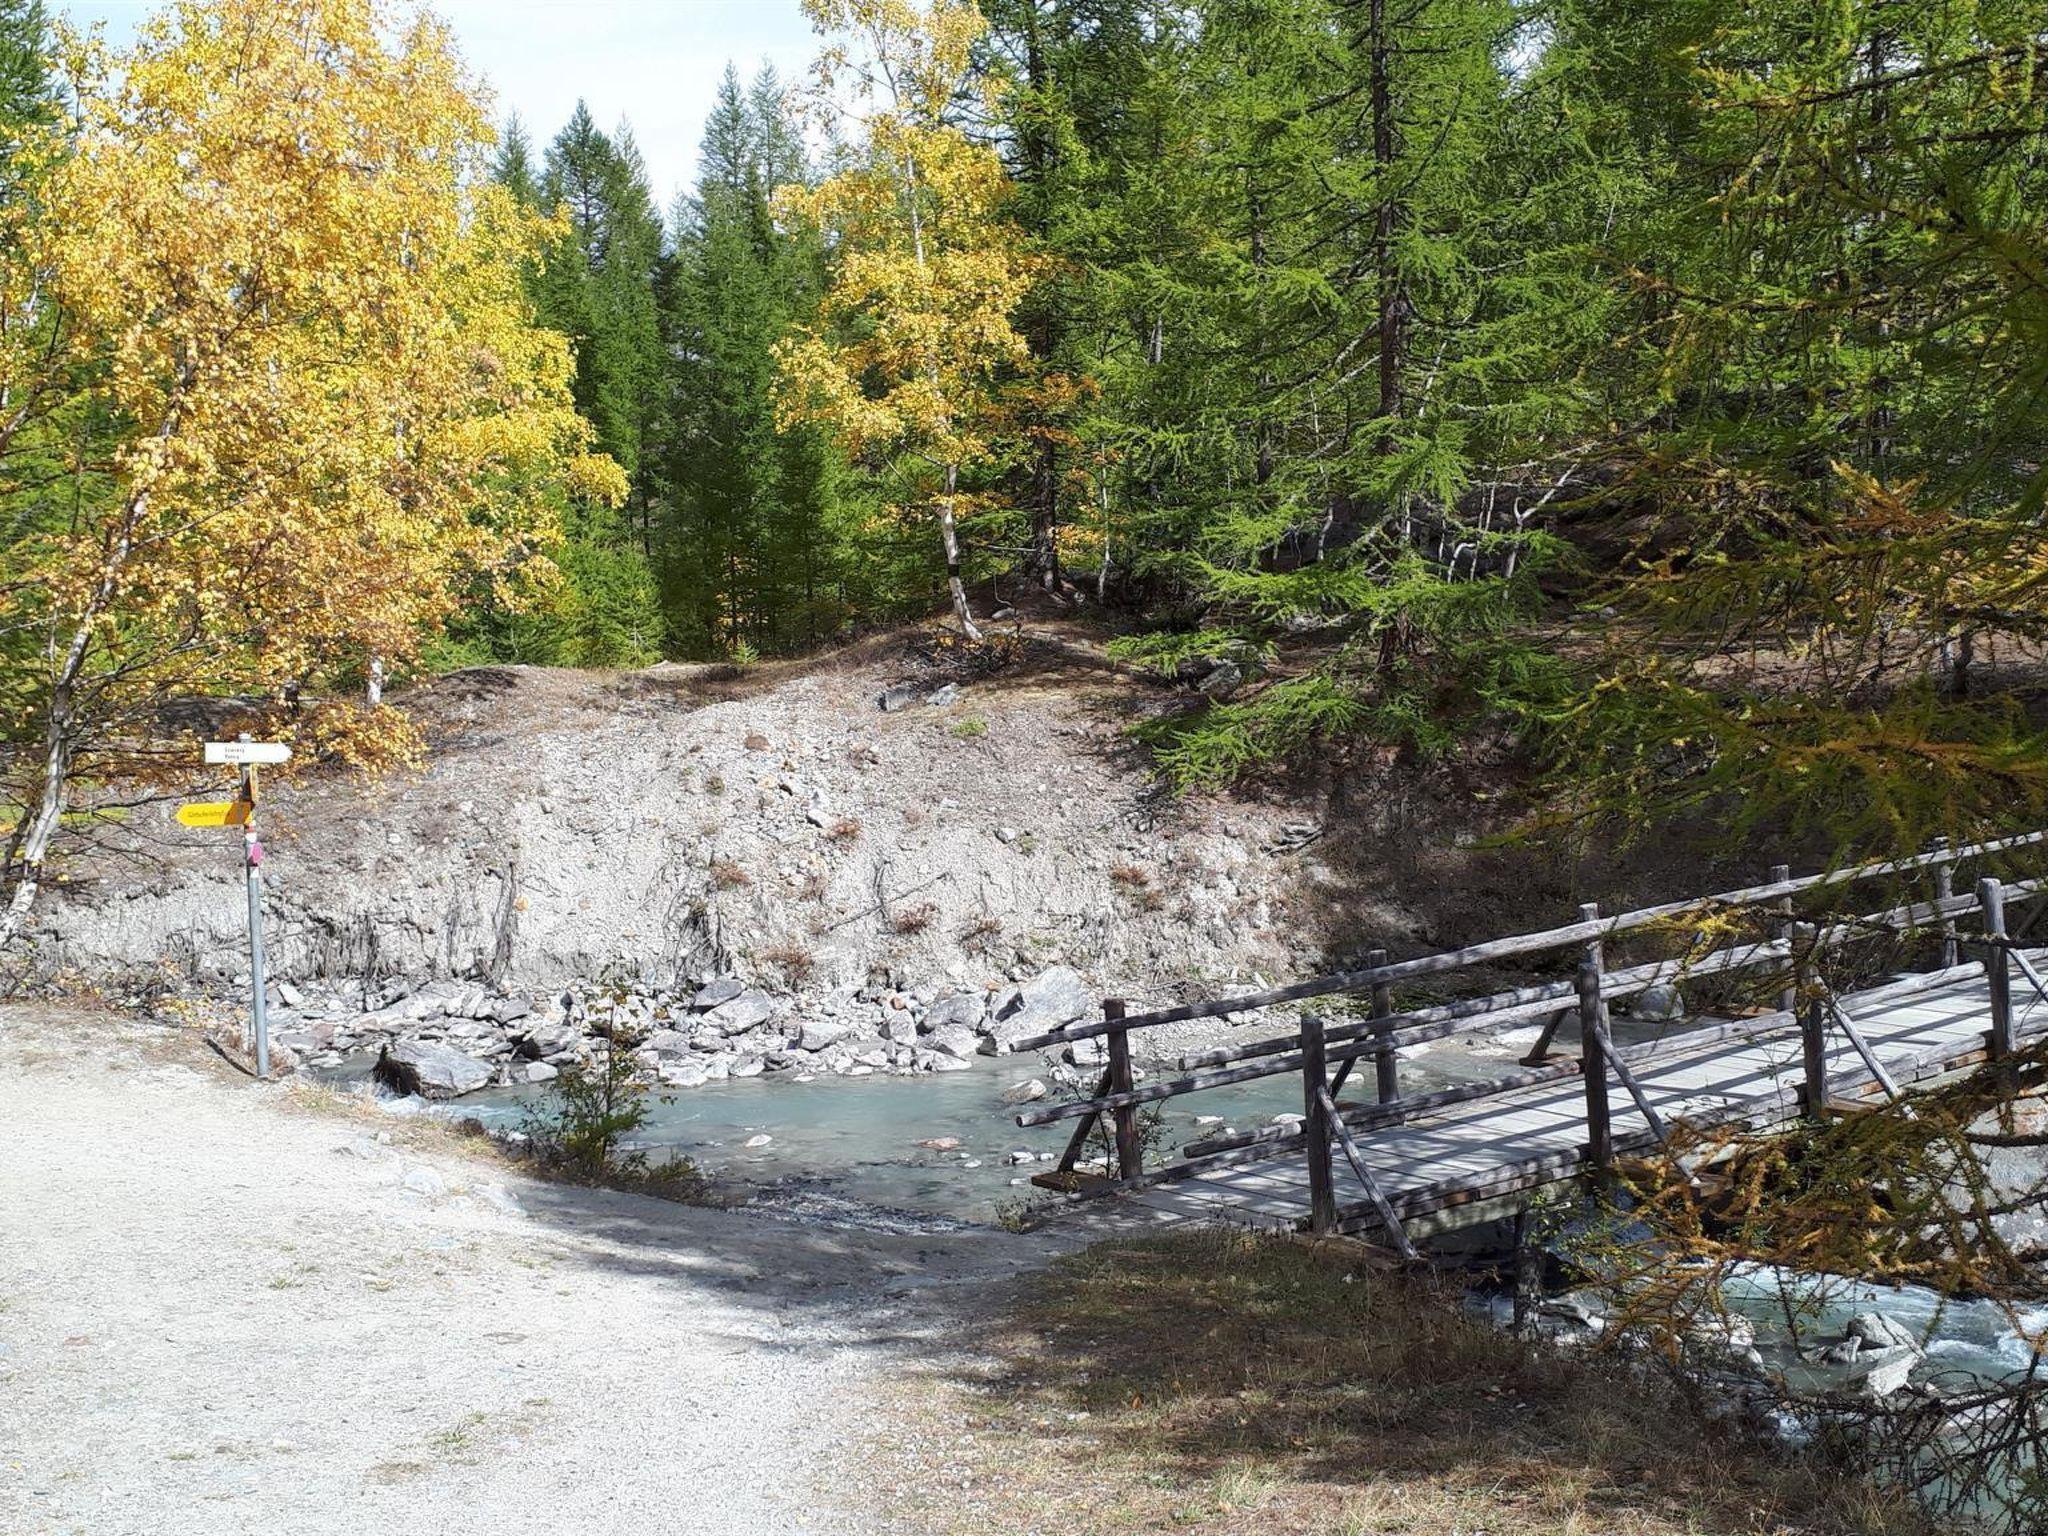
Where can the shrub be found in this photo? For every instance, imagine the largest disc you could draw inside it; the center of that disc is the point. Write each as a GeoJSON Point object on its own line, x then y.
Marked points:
{"type": "Point", "coordinates": [914, 919]}
{"type": "Point", "coordinates": [728, 876]}
{"type": "Point", "coordinates": [970, 728]}
{"type": "Point", "coordinates": [580, 1130]}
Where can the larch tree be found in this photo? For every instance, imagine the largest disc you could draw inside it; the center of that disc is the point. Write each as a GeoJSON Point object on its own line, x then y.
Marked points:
{"type": "Point", "coordinates": [264, 287]}
{"type": "Point", "coordinates": [916, 336]}
{"type": "Point", "coordinates": [1833, 465]}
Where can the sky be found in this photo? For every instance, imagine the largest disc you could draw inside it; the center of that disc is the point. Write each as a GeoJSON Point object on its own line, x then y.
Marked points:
{"type": "Point", "coordinates": [653, 63]}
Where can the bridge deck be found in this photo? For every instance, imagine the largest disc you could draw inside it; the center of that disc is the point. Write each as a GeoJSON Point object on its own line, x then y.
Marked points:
{"type": "Point", "coordinates": [1442, 1167]}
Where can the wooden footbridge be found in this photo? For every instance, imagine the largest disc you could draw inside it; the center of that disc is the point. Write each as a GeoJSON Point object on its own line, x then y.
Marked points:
{"type": "Point", "coordinates": [1800, 1007]}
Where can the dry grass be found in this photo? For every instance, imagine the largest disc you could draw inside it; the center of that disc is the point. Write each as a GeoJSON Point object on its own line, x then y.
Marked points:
{"type": "Point", "coordinates": [980, 936]}
{"type": "Point", "coordinates": [914, 919]}
{"type": "Point", "coordinates": [794, 961]}
{"type": "Point", "coordinates": [728, 876]}
{"type": "Point", "coordinates": [1221, 1384]}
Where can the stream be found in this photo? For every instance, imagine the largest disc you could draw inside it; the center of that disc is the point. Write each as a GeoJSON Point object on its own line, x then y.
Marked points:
{"type": "Point", "coordinates": [856, 1139]}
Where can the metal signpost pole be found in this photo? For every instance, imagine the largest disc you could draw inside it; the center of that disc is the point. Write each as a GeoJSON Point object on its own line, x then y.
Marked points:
{"type": "Point", "coordinates": [241, 812]}
{"type": "Point", "coordinates": [252, 863]}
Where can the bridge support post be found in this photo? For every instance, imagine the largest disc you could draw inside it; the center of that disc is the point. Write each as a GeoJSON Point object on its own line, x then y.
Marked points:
{"type": "Point", "coordinates": [1788, 995]}
{"type": "Point", "coordinates": [1130, 1155]}
{"type": "Point", "coordinates": [1813, 1024]}
{"type": "Point", "coordinates": [1944, 889]}
{"type": "Point", "coordinates": [1593, 1065]}
{"type": "Point", "coordinates": [1316, 1127]}
{"type": "Point", "coordinates": [1997, 969]}
{"type": "Point", "coordinates": [1386, 1065]}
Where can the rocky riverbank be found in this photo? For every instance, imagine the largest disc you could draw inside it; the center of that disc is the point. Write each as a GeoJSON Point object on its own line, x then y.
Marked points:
{"type": "Point", "coordinates": [444, 1039]}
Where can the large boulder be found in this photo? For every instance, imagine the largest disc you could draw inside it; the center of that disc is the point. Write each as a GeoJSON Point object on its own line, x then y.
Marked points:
{"type": "Point", "coordinates": [711, 994]}
{"type": "Point", "coordinates": [821, 1034]}
{"type": "Point", "coordinates": [966, 1009]}
{"type": "Point", "coordinates": [545, 1040]}
{"type": "Point", "coordinates": [955, 1040]}
{"type": "Point", "coordinates": [430, 1069]}
{"type": "Point", "coordinates": [742, 1013]}
{"type": "Point", "coordinates": [1045, 1002]}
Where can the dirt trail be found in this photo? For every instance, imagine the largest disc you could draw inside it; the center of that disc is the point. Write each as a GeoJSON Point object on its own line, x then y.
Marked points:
{"type": "Point", "coordinates": [221, 1312]}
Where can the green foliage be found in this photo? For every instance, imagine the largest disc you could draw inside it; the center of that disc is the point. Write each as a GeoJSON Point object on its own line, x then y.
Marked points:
{"type": "Point", "coordinates": [754, 547]}
{"type": "Point", "coordinates": [1829, 392]}
{"type": "Point", "coordinates": [583, 1127]}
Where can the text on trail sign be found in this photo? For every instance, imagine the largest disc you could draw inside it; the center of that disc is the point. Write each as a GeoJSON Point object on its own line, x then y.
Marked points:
{"type": "Point", "coordinates": [247, 752]}
{"type": "Point", "coordinates": [214, 813]}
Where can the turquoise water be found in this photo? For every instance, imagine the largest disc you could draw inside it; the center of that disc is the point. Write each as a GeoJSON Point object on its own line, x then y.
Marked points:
{"type": "Point", "coordinates": [858, 1137]}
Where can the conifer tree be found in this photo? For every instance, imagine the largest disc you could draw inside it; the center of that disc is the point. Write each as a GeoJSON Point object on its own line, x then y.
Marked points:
{"type": "Point", "coordinates": [749, 555]}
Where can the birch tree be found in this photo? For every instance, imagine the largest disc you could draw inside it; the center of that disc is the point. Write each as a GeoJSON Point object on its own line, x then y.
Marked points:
{"type": "Point", "coordinates": [277, 389]}
{"type": "Point", "coordinates": [909, 351]}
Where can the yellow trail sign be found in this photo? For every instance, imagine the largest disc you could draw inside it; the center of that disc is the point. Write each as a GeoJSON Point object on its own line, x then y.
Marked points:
{"type": "Point", "coordinates": [214, 813]}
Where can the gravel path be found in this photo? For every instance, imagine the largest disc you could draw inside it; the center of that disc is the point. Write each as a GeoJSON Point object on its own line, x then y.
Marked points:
{"type": "Point", "coordinates": [224, 1312]}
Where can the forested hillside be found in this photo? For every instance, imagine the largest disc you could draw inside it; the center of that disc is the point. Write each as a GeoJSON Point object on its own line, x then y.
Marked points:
{"type": "Point", "coordinates": [1656, 388]}
{"type": "Point", "coordinates": [1659, 383]}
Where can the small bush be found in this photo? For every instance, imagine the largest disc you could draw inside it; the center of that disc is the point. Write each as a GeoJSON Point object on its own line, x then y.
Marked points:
{"type": "Point", "coordinates": [914, 919]}
{"type": "Point", "coordinates": [728, 876]}
{"type": "Point", "coordinates": [1129, 875]}
{"type": "Point", "coordinates": [793, 960]}
{"type": "Point", "coordinates": [844, 830]}
{"type": "Point", "coordinates": [579, 1131]}
{"type": "Point", "coordinates": [970, 728]}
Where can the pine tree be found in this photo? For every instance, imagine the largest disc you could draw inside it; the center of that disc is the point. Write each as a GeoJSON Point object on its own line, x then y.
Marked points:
{"type": "Point", "coordinates": [750, 553]}
{"type": "Point", "coordinates": [1833, 472]}
{"type": "Point", "coordinates": [598, 604]}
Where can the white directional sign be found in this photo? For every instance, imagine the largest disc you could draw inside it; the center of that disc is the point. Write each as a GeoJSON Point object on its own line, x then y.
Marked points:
{"type": "Point", "coordinates": [247, 752]}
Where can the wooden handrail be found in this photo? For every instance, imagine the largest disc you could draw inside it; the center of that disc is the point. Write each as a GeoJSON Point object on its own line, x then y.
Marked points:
{"type": "Point", "coordinates": [1318, 1046]}
{"type": "Point", "coordinates": [1527, 943]}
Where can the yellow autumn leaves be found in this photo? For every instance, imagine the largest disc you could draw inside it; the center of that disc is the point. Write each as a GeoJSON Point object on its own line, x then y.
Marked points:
{"type": "Point", "coordinates": [266, 251]}
{"type": "Point", "coordinates": [271, 394]}
{"type": "Point", "coordinates": [914, 341]}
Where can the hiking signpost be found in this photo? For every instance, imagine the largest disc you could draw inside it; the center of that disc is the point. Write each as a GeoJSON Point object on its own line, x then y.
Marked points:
{"type": "Point", "coordinates": [241, 812]}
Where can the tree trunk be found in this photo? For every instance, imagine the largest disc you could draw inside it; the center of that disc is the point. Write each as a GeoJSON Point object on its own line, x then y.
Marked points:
{"type": "Point", "coordinates": [949, 534]}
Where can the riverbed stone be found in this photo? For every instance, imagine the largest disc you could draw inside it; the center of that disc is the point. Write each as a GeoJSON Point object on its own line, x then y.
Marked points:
{"type": "Point", "coordinates": [545, 1040]}
{"type": "Point", "coordinates": [1887, 1369]}
{"type": "Point", "coordinates": [1874, 1330]}
{"type": "Point", "coordinates": [430, 1068]}
{"type": "Point", "coordinates": [540, 1072]}
{"type": "Point", "coordinates": [742, 1013]}
{"type": "Point", "coordinates": [711, 994]}
{"type": "Point", "coordinates": [1092, 1052]}
{"type": "Point", "coordinates": [954, 1040]}
{"type": "Point", "coordinates": [1660, 1004]}
{"type": "Point", "coordinates": [965, 1009]}
{"type": "Point", "coordinates": [1051, 998]}
{"type": "Point", "coordinates": [1026, 1092]}
{"type": "Point", "coordinates": [748, 1066]}
{"type": "Point", "coordinates": [894, 698]}
{"type": "Point", "coordinates": [667, 1042]}
{"type": "Point", "coordinates": [821, 1034]}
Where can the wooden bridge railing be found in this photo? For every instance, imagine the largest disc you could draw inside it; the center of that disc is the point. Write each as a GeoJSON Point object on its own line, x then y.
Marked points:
{"type": "Point", "coordinates": [1315, 1046]}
